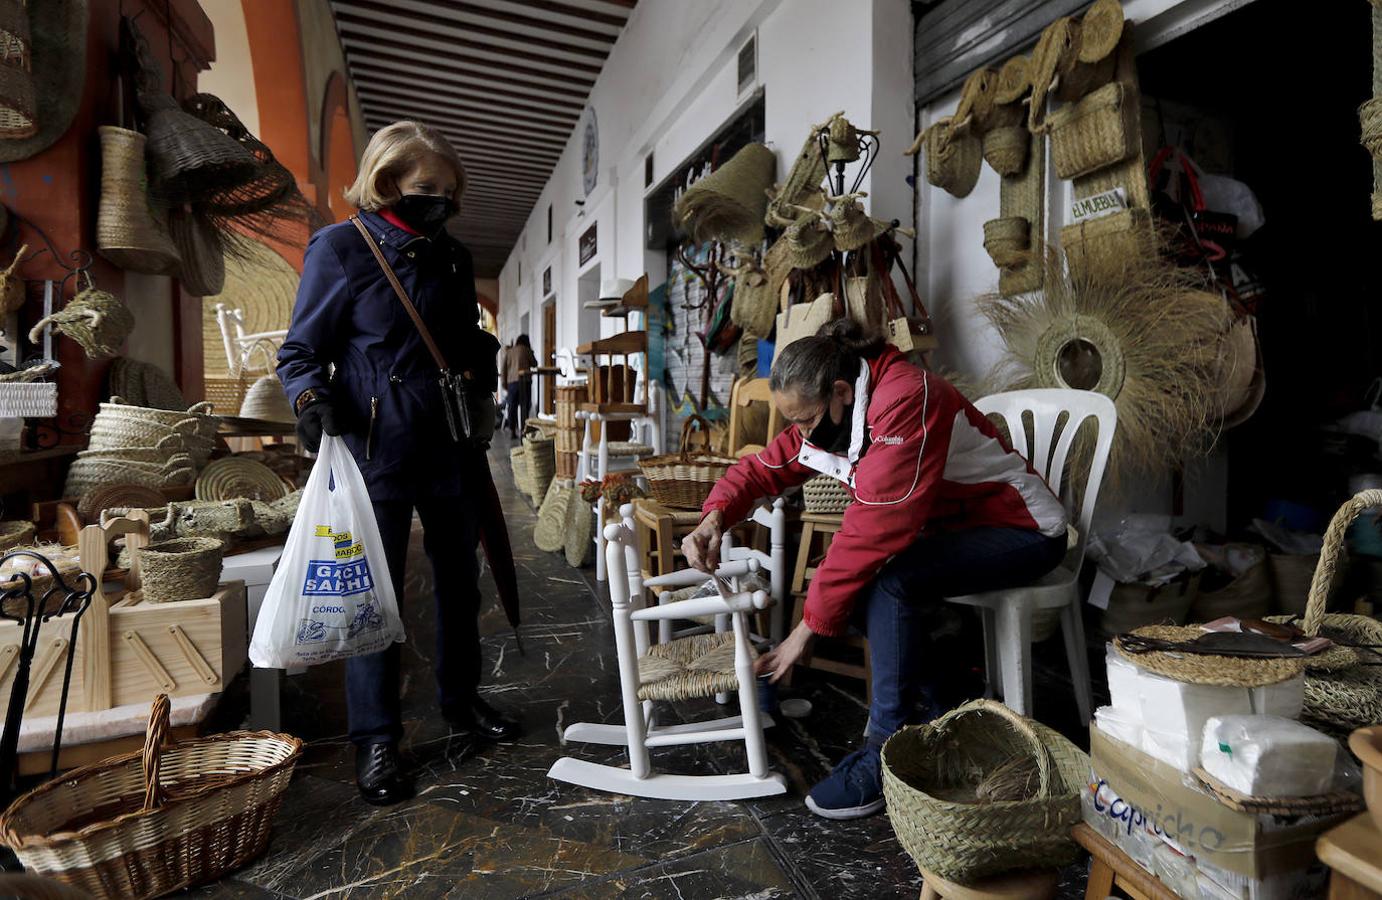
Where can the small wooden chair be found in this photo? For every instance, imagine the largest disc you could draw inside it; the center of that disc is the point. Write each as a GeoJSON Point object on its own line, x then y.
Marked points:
{"type": "Point", "coordinates": [745, 393]}
{"type": "Point", "coordinates": [698, 666]}
{"type": "Point", "coordinates": [817, 532]}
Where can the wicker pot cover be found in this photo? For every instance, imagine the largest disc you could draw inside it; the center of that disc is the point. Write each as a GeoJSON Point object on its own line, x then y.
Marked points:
{"type": "Point", "coordinates": [233, 478]}
{"type": "Point", "coordinates": [149, 823]}
{"type": "Point", "coordinates": [930, 773]}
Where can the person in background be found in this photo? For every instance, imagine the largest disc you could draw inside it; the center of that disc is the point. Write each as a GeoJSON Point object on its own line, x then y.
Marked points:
{"type": "Point", "coordinates": [355, 365]}
{"type": "Point", "coordinates": [942, 506]}
{"type": "Point", "coordinates": [519, 363]}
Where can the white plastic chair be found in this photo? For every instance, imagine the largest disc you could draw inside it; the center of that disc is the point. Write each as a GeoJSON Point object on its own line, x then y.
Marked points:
{"type": "Point", "coordinates": [640, 733]}
{"type": "Point", "coordinates": [1007, 615]}
{"type": "Point", "coordinates": [241, 347]}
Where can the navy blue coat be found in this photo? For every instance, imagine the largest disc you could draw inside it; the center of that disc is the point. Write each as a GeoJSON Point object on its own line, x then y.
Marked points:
{"type": "Point", "coordinates": [384, 383]}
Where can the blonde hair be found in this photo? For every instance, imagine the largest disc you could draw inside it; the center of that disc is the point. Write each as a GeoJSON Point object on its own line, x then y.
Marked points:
{"type": "Point", "coordinates": [389, 153]}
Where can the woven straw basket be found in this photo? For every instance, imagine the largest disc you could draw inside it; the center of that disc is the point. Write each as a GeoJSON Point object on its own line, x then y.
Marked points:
{"type": "Point", "coordinates": [549, 533]}
{"type": "Point", "coordinates": [930, 773]}
{"type": "Point", "coordinates": [1006, 149]}
{"type": "Point", "coordinates": [15, 534]}
{"type": "Point", "coordinates": [1008, 240]}
{"type": "Point", "coordinates": [150, 823]}
{"type": "Point", "coordinates": [825, 495]}
{"type": "Point", "coordinates": [233, 478]}
{"type": "Point", "coordinates": [953, 159]}
{"type": "Point", "coordinates": [540, 456]}
{"type": "Point", "coordinates": [181, 569]}
{"type": "Point", "coordinates": [1097, 132]}
{"type": "Point", "coordinates": [518, 460]}
{"type": "Point", "coordinates": [127, 231]}
{"type": "Point", "coordinates": [684, 479]}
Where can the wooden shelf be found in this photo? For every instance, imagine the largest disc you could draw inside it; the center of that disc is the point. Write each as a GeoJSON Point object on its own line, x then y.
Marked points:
{"type": "Point", "coordinates": [618, 345]}
{"type": "Point", "coordinates": [235, 426]}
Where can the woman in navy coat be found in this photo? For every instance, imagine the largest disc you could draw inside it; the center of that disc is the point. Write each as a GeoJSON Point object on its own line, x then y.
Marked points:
{"type": "Point", "coordinates": [354, 365]}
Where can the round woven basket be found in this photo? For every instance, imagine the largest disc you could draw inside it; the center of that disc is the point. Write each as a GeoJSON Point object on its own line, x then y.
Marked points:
{"type": "Point", "coordinates": [87, 474]}
{"type": "Point", "coordinates": [931, 779]}
{"type": "Point", "coordinates": [15, 534]}
{"type": "Point", "coordinates": [233, 478]}
{"type": "Point", "coordinates": [128, 232]}
{"type": "Point", "coordinates": [181, 569]}
{"type": "Point", "coordinates": [1006, 148]}
{"type": "Point", "coordinates": [684, 479]}
{"type": "Point", "coordinates": [116, 496]}
{"type": "Point", "coordinates": [825, 495]}
{"type": "Point", "coordinates": [1199, 668]}
{"type": "Point", "coordinates": [1007, 241]}
{"type": "Point", "coordinates": [266, 401]}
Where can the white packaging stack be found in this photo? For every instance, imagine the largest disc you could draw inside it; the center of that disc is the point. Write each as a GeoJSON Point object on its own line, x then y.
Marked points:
{"type": "Point", "coordinates": [1285, 698]}
{"type": "Point", "coordinates": [1122, 681]}
{"type": "Point", "coordinates": [1268, 756]}
{"type": "Point", "coordinates": [1121, 724]}
{"type": "Point", "coordinates": [1174, 715]}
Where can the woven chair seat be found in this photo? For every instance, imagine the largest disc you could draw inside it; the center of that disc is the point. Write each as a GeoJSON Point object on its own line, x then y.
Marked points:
{"type": "Point", "coordinates": [629, 448]}
{"type": "Point", "coordinates": [688, 668]}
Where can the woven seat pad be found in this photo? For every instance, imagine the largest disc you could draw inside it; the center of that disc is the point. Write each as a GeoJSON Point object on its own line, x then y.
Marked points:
{"type": "Point", "coordinates": [629, 448]}
{"type": "Point", "coordinates": [698, 666]}
{"type": "Point", "coordinates": [1198, 668]}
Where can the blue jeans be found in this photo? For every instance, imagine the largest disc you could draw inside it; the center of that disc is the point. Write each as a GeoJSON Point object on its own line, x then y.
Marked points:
{"type": "Point", "coordinates": [894, 612]}
{"type": "Point", "coordinates": [449, 537]}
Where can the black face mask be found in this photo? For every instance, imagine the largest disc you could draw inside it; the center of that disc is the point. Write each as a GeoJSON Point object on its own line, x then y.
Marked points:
{"type": "Point", "coordinates": [832, 436]}
{"type": "Point", "coordinates": [426, 213]}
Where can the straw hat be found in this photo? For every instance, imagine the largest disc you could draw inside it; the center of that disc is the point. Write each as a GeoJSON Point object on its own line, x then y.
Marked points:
{"type": "Point", "coordinates": [730, 203]}
{"type": "Point", "coordinates": [853, 228]}
{"type": "Point", "coordinates": [615, 288]}
{"type": "Point", "coordinates": [808, 241]}
{"type": "Point", "coordinates": [57, 38]}
{"type": "Point", "coordinates": [128, 231]}
{"type": "Point", "coordinates": [266, 402]}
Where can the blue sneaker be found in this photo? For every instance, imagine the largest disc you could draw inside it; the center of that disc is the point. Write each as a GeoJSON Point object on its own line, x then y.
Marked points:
{"type": "Point", "coordinates": [853, 790]}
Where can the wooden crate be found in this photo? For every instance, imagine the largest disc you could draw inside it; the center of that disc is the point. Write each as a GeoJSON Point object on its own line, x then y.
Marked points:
{"type": "Point", "coordinates": [130, 651]}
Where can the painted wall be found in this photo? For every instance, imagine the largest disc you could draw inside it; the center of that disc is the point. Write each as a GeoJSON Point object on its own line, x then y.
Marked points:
{"type": "Point", "coordinates": [663, 93]}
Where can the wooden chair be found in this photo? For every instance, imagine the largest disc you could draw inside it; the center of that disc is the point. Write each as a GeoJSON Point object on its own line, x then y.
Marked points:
{"type": "Point", "coordinates": [1110, 867]}
{"type": "Point", "coordinates": [745, 393]}
{"type": "Point", "coordinates": [1040, 885]}
{"type": "Point", "coordinates": [817, 532]}
{"type": "Point", "coordinates": [697, 666]}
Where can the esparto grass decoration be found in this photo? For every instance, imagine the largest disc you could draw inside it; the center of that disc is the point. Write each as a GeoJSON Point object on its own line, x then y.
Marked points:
{"type": "Point", "coordinates": [1150, 340]}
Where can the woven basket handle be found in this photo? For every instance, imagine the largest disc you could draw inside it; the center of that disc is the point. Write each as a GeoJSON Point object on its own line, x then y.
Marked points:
{"type": "Point", "coordinates": [203, 408]}
{"type": "Point", "coordinates": [169, 442]}
{"type": "Point", "coordinates": [1020, 725]}
{"type": "Point", "coordinates": [686, 432]}
{"type": "Point", "coordinates": [1330, 554]}
{"type": "Point", "coordinates": [155, 737]}
{"type": "Point", "coordinates": [186, 427]}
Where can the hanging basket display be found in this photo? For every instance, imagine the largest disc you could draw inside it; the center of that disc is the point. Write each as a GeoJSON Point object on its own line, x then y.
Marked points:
{"type": "Point", "coordinates": [129, 232]}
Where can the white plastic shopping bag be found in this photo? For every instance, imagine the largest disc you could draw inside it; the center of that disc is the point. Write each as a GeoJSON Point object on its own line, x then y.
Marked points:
{"type": "Point", "coordinates": [331, 596]}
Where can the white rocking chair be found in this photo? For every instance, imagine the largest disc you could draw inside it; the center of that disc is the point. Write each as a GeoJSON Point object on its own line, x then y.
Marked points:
{"type": "Point", "coordinates": [702, 665]}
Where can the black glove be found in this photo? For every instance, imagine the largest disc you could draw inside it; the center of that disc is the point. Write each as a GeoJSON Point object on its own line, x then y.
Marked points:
{"type": "Point", "coordinates": [315, 420]}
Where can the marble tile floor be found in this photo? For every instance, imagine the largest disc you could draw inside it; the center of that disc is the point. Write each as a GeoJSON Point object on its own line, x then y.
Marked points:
{"type": "Point", "coordinates": [488, 823]}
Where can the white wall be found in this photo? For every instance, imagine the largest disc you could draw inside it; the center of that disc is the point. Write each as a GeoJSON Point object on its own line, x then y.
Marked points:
{"type": "Point", "coordinates": [665, 93]}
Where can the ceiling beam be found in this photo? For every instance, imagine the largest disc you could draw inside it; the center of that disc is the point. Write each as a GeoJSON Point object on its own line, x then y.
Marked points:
{"type": "Point", "coordinates": [344, 21]}
{"type": "Point", "coordinates": [483, 121]}
{"type": "Point", "coordinates": [361, 72]}
{"type": "Point", "coordinates": [408, 53]}
{"type": "Point", "coordinates": [472, 74]}
{"type": "Point", "coordinates": [489, 112]}
{"type": "Point", "coordinates": [579, 12]}
{"type": "Point", "coordinates": [392, 19]}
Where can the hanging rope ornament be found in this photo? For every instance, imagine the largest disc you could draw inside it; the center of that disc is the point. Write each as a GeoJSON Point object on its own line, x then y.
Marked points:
{"type": "Point", "coordinates": [1370, 113]}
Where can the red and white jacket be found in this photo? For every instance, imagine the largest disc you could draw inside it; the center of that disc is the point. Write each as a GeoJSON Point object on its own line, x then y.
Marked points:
{"type": "Point", "coordinates": [921, 459]}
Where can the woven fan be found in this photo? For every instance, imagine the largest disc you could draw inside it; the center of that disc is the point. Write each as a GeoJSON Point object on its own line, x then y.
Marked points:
{"type": "Point", "coordinates": [233, 478]}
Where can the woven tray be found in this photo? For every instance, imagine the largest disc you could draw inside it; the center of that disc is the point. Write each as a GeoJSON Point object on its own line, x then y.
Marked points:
{"type": "Point", "coordinates": [1335, 803]}
{"type": "Point", "coordinates": [233, 478]}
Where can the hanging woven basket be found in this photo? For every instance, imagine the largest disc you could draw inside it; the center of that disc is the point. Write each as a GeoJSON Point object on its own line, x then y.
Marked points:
{"type": "Point", "coordinates": [203, 270]}
{"type": "Point", "coordinates": [953, 157]}
{"type": "Point", "coordinates": [129, 232]}
{"type": "Point", "coordinates": [97, 320]}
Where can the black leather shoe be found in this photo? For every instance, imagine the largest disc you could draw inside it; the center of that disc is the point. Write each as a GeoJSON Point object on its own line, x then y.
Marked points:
{"type": "Point", "coordinates": [480, 718]}
{"type": "Point", "coordinates": [379, 775]}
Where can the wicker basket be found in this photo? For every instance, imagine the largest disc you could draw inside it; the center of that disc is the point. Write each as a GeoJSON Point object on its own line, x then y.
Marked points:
{"type": "Point", "coordinates": [150, 823]}
{"type": "Point", "coordinates": [1094, 133]}
{"type": "Point", "coordinates": [116, 496]}
{"type": "Point", "coordinates": [233, 478]}
{"type": "Point", "coordinates": [825, 495]}
{"type": "Point", "coordinates": [1342, 691]}
{"type": "Point", "coordinates": [953, 158]}
{"type": "Point", "coordinates": [541, 458]}
{"type": "Point", "coordinates": [549, 533]}
{"type": "Point", "coordinates": [181, 569]}
{"type": "Point", "coordinates": [684, 479]}
{"type": "Point", "coordinates": [518, 461]}
{"type": "Point", "coordinates": [16, 534]}
{"type": "Point", "coordinates": [1104, 245]}
{"type": "Point", "coordinates": [930, 773]}
{"type": "Point", "coordinates": [1008, 240]}
{"type": "Point", "coordinates": [1006, 149]}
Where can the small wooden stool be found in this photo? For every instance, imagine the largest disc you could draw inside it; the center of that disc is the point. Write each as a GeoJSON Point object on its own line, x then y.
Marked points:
{"type": "Point", "coordinates": [1038, 885]}
{"type": "Point", "coordinates": [1352, 851]}
{"type": "Point", "coordinates": [818, 530]}
{"type": "Point", "coordinates": [1111, 867]}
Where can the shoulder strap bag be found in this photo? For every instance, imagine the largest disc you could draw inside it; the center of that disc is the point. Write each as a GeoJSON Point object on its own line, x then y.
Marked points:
{"type": "Point", "coordinates": [457, 400]}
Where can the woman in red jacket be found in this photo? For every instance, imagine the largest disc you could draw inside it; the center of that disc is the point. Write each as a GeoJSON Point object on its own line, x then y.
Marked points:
{"type": "Point", "coordinates": [942, 506]}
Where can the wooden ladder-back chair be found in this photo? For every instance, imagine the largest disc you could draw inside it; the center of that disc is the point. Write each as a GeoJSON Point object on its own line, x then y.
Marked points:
{"type": "Point", "coordinates": [745, 393]}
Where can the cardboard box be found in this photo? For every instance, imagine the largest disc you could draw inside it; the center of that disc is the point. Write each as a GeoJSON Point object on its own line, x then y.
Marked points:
{"type": "Point", "coordinates": [1192, 819]}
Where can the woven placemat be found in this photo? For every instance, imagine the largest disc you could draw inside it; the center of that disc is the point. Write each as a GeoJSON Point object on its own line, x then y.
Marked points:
{"type": "Point", "coordinates": [1333, 803]}
{"type": "Point", "coordinates": [233, 478]}
{"type": "Point", "coordinates": [1199, 668]}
